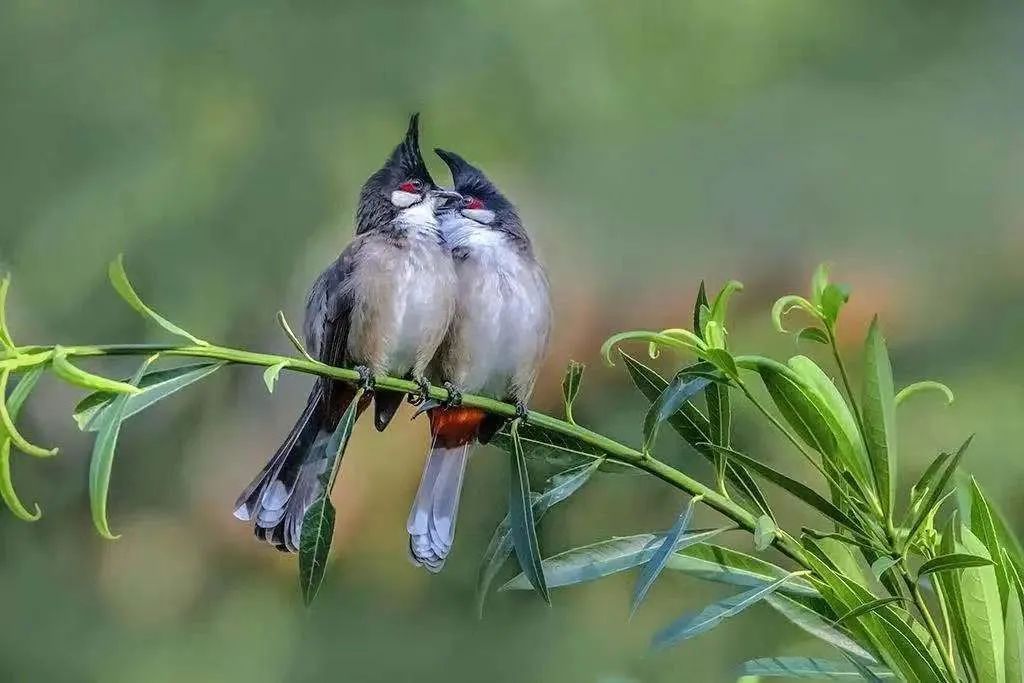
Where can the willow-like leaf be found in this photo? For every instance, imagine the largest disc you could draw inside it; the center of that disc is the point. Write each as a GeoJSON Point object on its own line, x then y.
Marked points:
{"type": "Point", "coordinates": [701, 310]}
{"type": "Point", "coordinates": [8, 427]}
{"type": "Point", "coordinates": [721, 304]}
{"type": "Point", "coordinates": [813, 334]}
{"type": "Point", "coordinates": [983, 614]}
{"type": "Point", "coordinates": [553, 448]}
{"type": "Point", "coordinates": [983, 526]}
{"type": "Point", "coordinates": [119, 279]}
{"type": "Point", "coordinates": [652, 568]}
{"type": "Point", "coordinates": [764, 533]}
{"type": "Point", "coordinates": [818, 622]}
{"type": "Point", "coordinates": [63, 368]}
{"type": "Point", "coordinates": [783, 306]}
{"type": "Point", "coordinates": [833, 298]}
{"type": "Point", "coordinates": [869, 607]}
{"type": "Point", "coordinates": [819, 281]}
{"type": "Point", "coordinates": [691, 625]}
{"type": "Point", "coordinates": [879, 407]}
{"type": "Point", "coordinates": [1014, 626]}
{"type": "Point", "coordinates": [318, 522]}
{"type": "Point", "coordinates": [155, 386]}
{"type": "Point", "coordinates": [679, 391]}
{"type": "Point", "coordinates": [684, 342]}
{"type": "Point", "coordinates": [560, 487]}
{"type": "Point", "coordinates": [283, 323]}
{"type": "Point", "coordinates": [271, 373]}
{"type": "Point", "coordinates": [571, 387]}
{"type": "Point", "coordinates": [102, 461]}
{"type": "Point", "coordinates": [810, 668]}
{"type": "Point", "coordinates": [798, 489]}
{"type": "Point", "coordinates": [725, 565]}
{"type": "Point", "coordinates": [607, 557]}
{"type": "Point", "coordinates": [5, 334]}
{"type": "Point", "coordinates": [7, 491]}
{"type": "Point", "coordinates": [935, 496]}
{"type": "Point", "coordinates": [922, 387]}
{"type": "Point", "coordinates": [520, 518]}
{"type": "Point", "coordinates": [944, 563]}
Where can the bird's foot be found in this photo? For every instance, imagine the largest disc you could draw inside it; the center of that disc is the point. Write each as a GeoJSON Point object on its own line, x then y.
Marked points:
{"type": "Point", "coordinates": [418, 398]}
{"type": "Point", "coordinates": [454, 395]}
{"type": "Point", "coordinates": [521, 411]}
{"type": "Point", "coordinates": [365, 378]}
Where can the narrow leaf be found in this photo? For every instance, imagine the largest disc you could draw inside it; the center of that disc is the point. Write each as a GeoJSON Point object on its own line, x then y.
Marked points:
{"type": "Point", "coordinates": [102, 460]}
{"type": "Point", "coordinates": [571, 387]}
{"type": "Point", "coordinates": [560, 487]}
{"type": "Point", "coordinates": [520, 515]}
{"type": "Point", "coordinates": [816, 623]}
{"type": "Point", "coordinates": [550, 447]}
{"type": "Point", "coordinates": [921, 387]}
{"type": "Point", "coordinates": [983, 526]}
{"type": "Point", "coordinates": [7, 487]}
{"type": "Point", "coordinates": [604, 558]}
{"type": "Point", "coordinates": [660, 556]}
{"type": "Point", "coordinates": [798, 489]}
{"type": "Point", "coordinates": [318, 521]}
{"type": "Point", "coordinates": [882, 565]}
{"type": "Point", "coordinates": [725, 565]}
{"type": "Point", "coordinates": [22, 390]}
{"type": "Point", "coordinates": [283, 323]}
{"type": "Point", "coordinates": [808, 668]}
{"type": "Point", "coordinates": [8, 428]}
{"type": "Point", "coordinates": [701, 309]}
{"type": "Point", "coordinates": [869, 607]}
{"type": "Point", "coordinates": [1014, 627]}
{"type": "Point", "coordinates": [721, 304]}
{"type": "Point", "coordinates": [832, 300]}
{"type": "Point", "coordinates": [783, 306]}
{"type": "Point", "coordinates": [5, 334]}
{"type": "Point", "coordinates": [879, 404]}
{"type": "Point", "coordinates": [271, 373]}
{"type": "Point", "coordinates": [813, 334]}
{"type": "Point", "coordinates": [680, 390]}
{"type": "Point", "coordinates": [691, 625]}
{"type": "Point", "coordinates": [944, 563]}
{"type": "Point", "coordinates": [155, 386]}
{"type": "Point", "coordinates": [983, 615]}
{"type": "Point", "coordinates": [935, 495]}
{"type": "Point", "coordinates": [69, 373]}
{"type": "Point", "coordinates": [819, 281]}
{"type": "Point", "coordinates": [119, 279]}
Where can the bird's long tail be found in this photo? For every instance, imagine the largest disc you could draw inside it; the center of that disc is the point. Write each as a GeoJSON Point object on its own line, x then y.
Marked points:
{"type": "Point", "coordinates": [277, 499]}
{"type": "Point", "coordinates": [431, 523]}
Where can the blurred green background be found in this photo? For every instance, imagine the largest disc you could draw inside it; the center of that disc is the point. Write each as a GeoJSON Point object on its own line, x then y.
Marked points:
{"type": "Point", "coordinates": [221, 146]}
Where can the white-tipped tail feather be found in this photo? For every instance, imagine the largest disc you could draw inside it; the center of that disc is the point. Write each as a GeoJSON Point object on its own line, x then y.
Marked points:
{"type": "Point", "coordinates": [435, 510]}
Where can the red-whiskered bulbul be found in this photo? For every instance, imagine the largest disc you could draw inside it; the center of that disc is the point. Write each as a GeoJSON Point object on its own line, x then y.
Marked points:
{"type": "Point", "coordinates": [383, 307]}
{"type": "Point", "coordinates": [495, 345]}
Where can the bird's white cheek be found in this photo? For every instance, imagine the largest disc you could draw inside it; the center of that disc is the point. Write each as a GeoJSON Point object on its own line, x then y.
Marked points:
{"type": "Point", "coordinates": [479, 215]}
{"type": "Point", "coordinates": [405, 199]}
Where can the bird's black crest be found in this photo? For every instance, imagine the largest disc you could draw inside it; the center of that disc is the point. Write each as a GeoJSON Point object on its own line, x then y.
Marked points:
{"type": "Point", "coordinates": [406, 161]}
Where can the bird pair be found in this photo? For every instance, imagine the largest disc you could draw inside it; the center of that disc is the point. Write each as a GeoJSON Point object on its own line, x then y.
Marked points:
{"type": "Point", "coordinates": [436, 285]}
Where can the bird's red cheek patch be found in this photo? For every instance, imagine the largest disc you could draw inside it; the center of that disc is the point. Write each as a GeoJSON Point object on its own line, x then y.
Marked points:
{"type": "Point", "coordinates": [408, 187]}
{"type": "Point", "coordinates": [474, 203]}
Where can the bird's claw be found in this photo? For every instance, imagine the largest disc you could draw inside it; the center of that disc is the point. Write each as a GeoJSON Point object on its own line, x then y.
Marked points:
{"type": "Point", "coordinates": [454, 395]}
{"type": "Point", "coordinates": [420, 397]}
{"type": "Point", "coordinates": [426, 406]}
{"type": "Point", "coordinates": [365, 377]}
{"type": "Point", "coordinates": [522, 412]}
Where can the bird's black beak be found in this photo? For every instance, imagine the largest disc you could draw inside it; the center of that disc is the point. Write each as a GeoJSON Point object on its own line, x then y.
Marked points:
{"type": "Point", "coordinates": [447, 198]}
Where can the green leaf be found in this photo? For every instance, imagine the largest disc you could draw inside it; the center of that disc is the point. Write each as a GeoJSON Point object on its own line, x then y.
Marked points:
{"type": "Point", "coordinates": [791, 397]}
{"type": "Point", "coordinates": [7, 491]}
{"type": "Point", "coordinates": [271, 373]}
{"type": "Point", "coordinates": [560, 487]}
{"type": "Point", "coordinates": [668, 403]}
{"type": "Point", "coordinates": [155, 386]}
{"type": "Point", "coordinates": [725, 565]}
{"type": "Point", "coordinates": [63, 368]}
{"type": "Point", "coordinates": [869, 607]}
{"type": "Point", "coordinates": [983, 526]}
{"type": "Point", "coordinates": [944, 563]}
{"type": "Point", "coordinates": [5, 334]}
{"type": "Point", "coordinates": [819, 281]}
{"type": "Point", "coordinates": [119, 279]}
{"type": "Point", "coordinates": [550, 447]}
{"type": "Point", "coordinates": [701, 310]}
{"type": "Point", "coordinates": [783, 306]}
{"type": "Point", "coordinates": [22, 390]}
{"type": "Point", "coordinates": [695, 429]}
{"type": "Point", "coordinates": [815, 622]}
{"type": "Point", "coordinates": [682, 340]}
{"type": "Point", "coordinates": [604, 558]}
{"type": "Point", "coordinates": [318, 521]}
{"type": "Point", "coordinates": [949, 463]}
{"type": "Point", "coordinates": [283, 323]}
{"type": "Point", "coordinates": [102, 461]}
{"type": "Point", "coordinates": [949, 582]}
{"type": "Point", "coordinates": [691, 625]}
{"type": "Point", "coordinates": [1014, 627]}
{"type": "Point", "coordinates": [796, 488]}
{"type": "Point", "coordinates": [983, 614]}
{"type": "Point", "coordinates": [832, 300]}
{"type": "Point", "coordinates": [7, 426]}
{"type": "Point", "coordinates": [764, 533]}
{"type": "Point", "coordinates": [806, 667]}
{"type": "Point", "coordinates": [720, 307]}
{"type": "Point", "coordinates": [879, 403]}
{"type": "Point", "coordinates": [921, 387]}
{"type": "Point", "coordinates": [571, 387]}
{"type": "Point", "coordinates": [652, 568]}
{"type": "Point", "coordinates": [882, 565]}
{"type": "Point", "coordinates": [722, 360]}
{"type": "Point", "coordinates": [520, 516]}
{"type": "Point", "coordinates": [813, 334]}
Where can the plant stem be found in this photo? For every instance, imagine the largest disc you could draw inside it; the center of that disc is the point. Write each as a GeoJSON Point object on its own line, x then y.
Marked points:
{"type": "Point", "coordinates": [933, 629]}
{"type": "Point", "coordinates": [846, 378]}
{"type": "Point", "coordinates": [39, 355]}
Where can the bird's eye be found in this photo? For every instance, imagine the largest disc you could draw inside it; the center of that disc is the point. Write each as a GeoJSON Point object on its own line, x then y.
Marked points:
{"type": "Point", "coordinates": [411, 186]}
{"type": "Point", "coordinates": [473, 203]}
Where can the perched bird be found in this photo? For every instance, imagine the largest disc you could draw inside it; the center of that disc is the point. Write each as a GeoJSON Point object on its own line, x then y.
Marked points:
{"type": "Point", "coordinates": [383, 307]}
{"type": "Point", "coordinates": [495, 345]}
